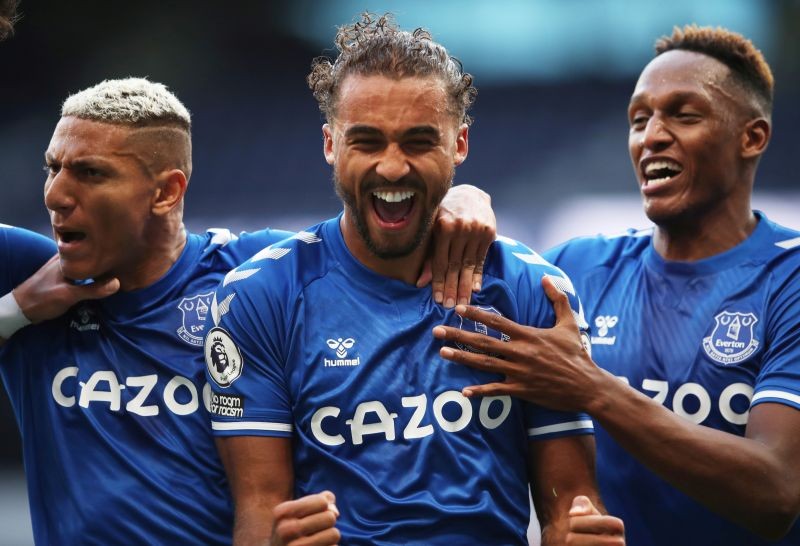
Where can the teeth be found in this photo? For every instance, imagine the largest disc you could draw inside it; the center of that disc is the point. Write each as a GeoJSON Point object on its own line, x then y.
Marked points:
{"type": "Point", "coordinates": [393, 196]}
{"type": "Point", "coordinates": [662, 164]}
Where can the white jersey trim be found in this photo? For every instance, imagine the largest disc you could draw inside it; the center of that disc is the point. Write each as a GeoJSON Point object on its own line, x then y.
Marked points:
{"type": "Point", "coordinates": [561, 427]}
{"type": "Point", "coordinates": [789, 397]}
{"type": "Point", "coordinates": [789, 243]}
{"type": "Point", "coordinates": [252, 425]}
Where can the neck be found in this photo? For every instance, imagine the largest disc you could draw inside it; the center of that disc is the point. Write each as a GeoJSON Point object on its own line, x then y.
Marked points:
{"type": "Point", "coordinates": [161, 249]}
{"type": "Point", "coordinates": [694, 240]}
{"type": "Point", "coordinates": [405, 268]}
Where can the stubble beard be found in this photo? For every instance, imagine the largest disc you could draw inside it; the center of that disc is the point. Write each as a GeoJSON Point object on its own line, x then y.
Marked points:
{"type": "Point", "coordinates": [358, 217]}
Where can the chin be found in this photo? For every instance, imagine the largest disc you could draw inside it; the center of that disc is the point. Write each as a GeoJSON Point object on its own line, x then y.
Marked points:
{"type": "Point", "coordinates": [77, 272]}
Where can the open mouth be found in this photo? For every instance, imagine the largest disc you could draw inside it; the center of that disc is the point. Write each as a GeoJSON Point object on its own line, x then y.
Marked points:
{"type": "Point", "coordinates": [661, 171]}
{"type": "Point", "coordinates": [70, 236]}
{"type": "Point", "coordinates": [393, 207]}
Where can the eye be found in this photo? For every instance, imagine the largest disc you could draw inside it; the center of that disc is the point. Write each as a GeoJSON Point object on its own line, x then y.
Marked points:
{"type": "Point", "coordinates": [688, 116]}
{"type": "Point", "coordinates": [90, 172]}
{"type": "Point", "coordinates": [639, 121]}
{"type": "Point", "coordinates": [50, 169]}
{"type": "Point", "coordinates": [420, 144]}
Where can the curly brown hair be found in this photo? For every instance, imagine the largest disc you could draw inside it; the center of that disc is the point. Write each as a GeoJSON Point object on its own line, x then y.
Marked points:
{"type": "Point", "coordinates": [8, 16]}
{"type": "Point", "coordinates": [747, 63]}
{"type": "Point", "coordinates": [376, 46]}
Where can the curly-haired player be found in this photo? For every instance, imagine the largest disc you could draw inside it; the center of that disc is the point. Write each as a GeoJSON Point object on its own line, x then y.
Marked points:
{"type": "Point", "coordinates": [342, 388]}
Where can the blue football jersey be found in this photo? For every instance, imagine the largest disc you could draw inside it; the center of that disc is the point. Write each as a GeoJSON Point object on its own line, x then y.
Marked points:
{"type": "Point", "coordinates": [110, 401]}
{"type": "Point", "coordinates": [708, 339]}
{"type": "Point", "coordinates": [37, 250]}
{"type": "Point", "coordinates": [308, 343]}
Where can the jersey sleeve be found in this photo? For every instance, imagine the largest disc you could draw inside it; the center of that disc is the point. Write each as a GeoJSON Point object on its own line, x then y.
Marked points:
{"type": "Point", "coordinates": [779, 378]}
{"type": "Point", "coordinates": [244, 355]}
{"type": "Point", "coordinates": [22, 253]}
{"type": "Point", "coordinates": [535, 309]}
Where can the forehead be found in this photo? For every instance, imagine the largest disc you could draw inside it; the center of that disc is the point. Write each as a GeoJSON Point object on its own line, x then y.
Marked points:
{"type": "Point", "coordinates": [683, 71]}
{"type": "Point", "coordinates": [77, 137]}
{"type": "Point", "coordinates": [382, 101]}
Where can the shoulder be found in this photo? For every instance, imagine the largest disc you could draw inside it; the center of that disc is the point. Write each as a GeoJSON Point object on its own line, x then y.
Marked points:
{"type": "Point", "coordinates": [783, 244]}
{"type": "Point", "coordinates": [520, 270]}
{"type": "Point", "coordinates": [281, 269]}
{"type": "Point", "coordinates": [509, 259]}
{"type": "Point", "coordinates": [23, 252]}
{"type": "Point", "coordinates": [20, 240]}
{"type": "Point", "coordinates": [600, 249]}
{"type": "Point", "coordinates": [239, 247]}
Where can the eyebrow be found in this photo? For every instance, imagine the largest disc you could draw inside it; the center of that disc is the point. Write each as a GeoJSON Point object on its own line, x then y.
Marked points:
{"type": "Point", "coordinates": [361, 130]}
{"type": "Point", "coordinates": [679, 96]}
{"type": "Point", "coordinates": [366, 130]}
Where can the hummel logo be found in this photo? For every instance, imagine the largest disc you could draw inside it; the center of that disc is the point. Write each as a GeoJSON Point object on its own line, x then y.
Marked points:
{"type": "Point", "coordinates": [86, 320]}
{"type": "Point", "coordinates": [604, 323]}
{"type": "Point", "coordinates": [341, 346]}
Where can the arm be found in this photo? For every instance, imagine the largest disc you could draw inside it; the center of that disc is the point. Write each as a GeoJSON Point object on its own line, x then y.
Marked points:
{"type": "Point", "coordinates": [47, 294]}
{"type": "Point", "coordinates": [588, 527]}
{"type": "Point", "coordinates": [464, 228]}
{"type": "Point", "coordinates": [559, 470]}
{"type": "Point", "coordinates": [260, 474]}
{"type": "Point", "coordinates": [551, 368]}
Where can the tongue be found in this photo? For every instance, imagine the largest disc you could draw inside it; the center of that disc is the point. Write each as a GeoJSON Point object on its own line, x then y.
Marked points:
{"type": "Point", "coordinates": [392, 213]}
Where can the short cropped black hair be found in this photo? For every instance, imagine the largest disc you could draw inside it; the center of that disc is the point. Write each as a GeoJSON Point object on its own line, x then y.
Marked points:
{"type": "Point", "coordinates": [746, 62]}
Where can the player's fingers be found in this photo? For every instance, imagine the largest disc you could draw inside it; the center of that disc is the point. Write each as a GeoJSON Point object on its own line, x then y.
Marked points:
{"type": "Point", "coordinates": [465, 276]}
{"type": "Point", "coordinates": [579, 539]}
{"type": "Point", "coordinates": [480, 259]}
{"type": "Point", "coordinates": [488, 389]}
{"type": "Point", "coordinates": [560, 301]}
{"type": "Point", "coordinates": [493, 320]}
{"type": "Point", "coordinates": [582, 506]}
{"type": "Point", "coordinates": [439, 261]}
{"type": "Point", "coordinates": [328, 537]}
{"type": "Point", "coordinates": [315, 523]}
{"type": "Point", "coordinates": [479, 342]}
{"type": "Point", "coordinates": [596, 524]}
{"type": "Point", "coordinates": [455, 262]}
{"type": "Point", "coordinates": [426, 276]}
{"type": "Point", "coordinates": [304, 506]}
{"type": "Point", "coordinates": [476, 360]}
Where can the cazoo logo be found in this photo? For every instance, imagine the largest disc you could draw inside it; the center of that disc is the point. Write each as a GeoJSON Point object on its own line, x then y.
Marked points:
{"type": "Point", "coordinates": [374, 418]}
{"type": "Point", "coordinates": [179, 395]}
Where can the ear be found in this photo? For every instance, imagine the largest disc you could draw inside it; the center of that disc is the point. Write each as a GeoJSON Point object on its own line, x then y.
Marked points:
{"type": "Point", "coordinates": [462, 145]}
{"type": "Point", "coordinates": [327, 143]}
{"type": "Point", "coordinates": [755, 137]}
{"type": "Point", "coordinates": [170, 189]}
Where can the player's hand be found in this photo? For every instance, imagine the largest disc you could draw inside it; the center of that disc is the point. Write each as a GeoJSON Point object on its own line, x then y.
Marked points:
{"type": "Point", "coordinates": [47, 294]}
{"type": "Point", "coordinates": [548, 366]}
{"type": "Point", "coordinates": [463, 230]}
{"type": "Point", "coordinates": [307, 521]}
{"type": "Point", "coordinates": [588, 527]}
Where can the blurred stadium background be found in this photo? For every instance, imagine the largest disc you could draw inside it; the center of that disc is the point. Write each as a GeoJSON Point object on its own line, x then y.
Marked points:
{"type": "Point", "coordinates": [549, 140]}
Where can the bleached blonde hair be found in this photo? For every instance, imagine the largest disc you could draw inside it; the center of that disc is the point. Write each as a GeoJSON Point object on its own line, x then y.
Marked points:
{"type": "Point", "coordinates": [130, 101]}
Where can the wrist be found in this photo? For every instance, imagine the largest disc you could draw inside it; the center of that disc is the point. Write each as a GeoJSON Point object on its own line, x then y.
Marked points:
{"type": "Point", "coordinates": [11, 316]}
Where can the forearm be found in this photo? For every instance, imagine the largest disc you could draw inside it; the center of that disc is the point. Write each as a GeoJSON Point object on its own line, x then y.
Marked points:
{"type": "Point", "coordinates": [740, 478]}
{"type": "Point", "coordinates": [252, 526]}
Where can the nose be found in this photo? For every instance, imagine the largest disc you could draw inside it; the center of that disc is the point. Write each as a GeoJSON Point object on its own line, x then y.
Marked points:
{"type": "Point", "coordinates": [656, 136]}
{"type": "Point", "coordinates": [393, 163]}
{"type": "Point", "coordinates": [57, 194]}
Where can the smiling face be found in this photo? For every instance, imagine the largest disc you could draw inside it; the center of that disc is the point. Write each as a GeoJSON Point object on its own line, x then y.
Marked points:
{"type": "Point", "coordinates": [393, 145]}
{"type": "Point", "coordinates": [686, 132]}
{"type": "Point", "coordinates": [102, 200]}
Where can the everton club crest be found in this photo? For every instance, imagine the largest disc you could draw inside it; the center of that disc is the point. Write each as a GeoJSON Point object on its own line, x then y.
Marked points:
{"type": "Point", "coordinates": [194, 310]}
{"type": "Point", "coordinates": [469, 325]}
{"type": "Point", "coordinates": [732, 339]}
